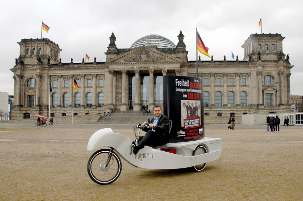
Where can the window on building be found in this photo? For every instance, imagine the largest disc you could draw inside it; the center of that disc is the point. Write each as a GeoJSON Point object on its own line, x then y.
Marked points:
{"type": "Point", "coordinates": [218, 99]}
{"type": "Point", "coordinates": [30, 100]}
{"type": "Point", "coordinates": [206, 98]}
{"type": "Point", "coordinates": [243, 98]}
{"type": "Point", "coordinates": [101, 99]}
{"type": "Point", "coordinates": [268, 80]}
{"type": "Point", "coordinates": [89, 83]}
{"type": "Point", "coordinates": [231, 98]}
{"type": "Point", "coordinates": [77, 99]}
{"type": "Point", "coordinates": [260, 47]}
{"type": "Point", "coordinates": [219, 81]}
{"type": "Point", "coordinates": [243, 81]}
{"type": "Point", "coordinates": [66, 100]}
{"type": "Point", "coordinates": [39, 51]}
{"type": "Point", "coordinates": [54, 84]}
{"type": "Point", "coordinates": [266, 47]}
{"type": "Point", "coordinates": [205, 81]}
{"type": "Point", "coordinates": [55, 99]}
{"type": "Point", "coordinates": [31, 83]}
{"type": "Point", "coordinates": [231, 81]}
{"type": "Point", "coordinates": [274, 47]}
{"type": "Point", "coordinates": [101, 82]}
{"type": "Point", "coordinates": [268, 99]}
{"type": "Point", "coordinates": [89, 99]}
{"type": "Point", "coordinates": [26, 51]}
{"type": "Point", "coordinates": [32, 51]}
{"type": "Point", "coordinates": [66, 83]}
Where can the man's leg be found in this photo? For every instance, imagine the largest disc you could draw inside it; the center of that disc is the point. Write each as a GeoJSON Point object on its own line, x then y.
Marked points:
{"type": "Point", "coordinates": [148, 139]}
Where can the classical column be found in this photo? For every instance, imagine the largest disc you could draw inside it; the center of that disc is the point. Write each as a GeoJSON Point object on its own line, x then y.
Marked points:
{"type": "Point", "coordinates": [260, 87]}
{"type": "Point", "coordinates": [279, 88]}
{"type": "Point", "coordinates": [237, 89]}
{"type": "Point", "coordinates": [123, 106]}
{"type": "Point", "coordinates": [94, 103]}
{"type": "Point", "coordinates": [288, 88]}
{"type": "Point", "coordinates": [82, 91]}
{"type": "Point", "coordinates": [37, 101]}
{"type": "Point", "coordinates": [72, 99]}
{"type": "Point", "coordinates": [114, 87]}
{"type": "Point", "coordinates": [212, 89]}
{"type": "Point", "coordinates": [22, 91]}
{"type": "Point", "coordinates": [137, 105]}
{"type": "Point", "coordinates": [16, 90]}
{"type": "Point", "coordinates": [224, 90]}
{"type": "Point", "coordinates": [108, 90]}
{"type": "Point", "coordinates": [60, 90]}
{"type": "Point", "coordinates": [253, 89]}
{"type": "Point", "coordinates": [151, 87]}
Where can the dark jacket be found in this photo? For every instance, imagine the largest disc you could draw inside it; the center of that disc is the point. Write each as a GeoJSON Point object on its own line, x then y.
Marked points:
{"type": "Point", "coordinates": [162, 127]}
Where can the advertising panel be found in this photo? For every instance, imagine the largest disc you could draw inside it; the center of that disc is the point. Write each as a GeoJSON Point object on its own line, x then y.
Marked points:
{"type": "Point", "coordinates": [183, 105]}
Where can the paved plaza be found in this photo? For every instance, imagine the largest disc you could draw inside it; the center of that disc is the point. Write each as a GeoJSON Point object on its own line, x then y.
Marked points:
{"type": "Point", "coordinates": [50, 164]}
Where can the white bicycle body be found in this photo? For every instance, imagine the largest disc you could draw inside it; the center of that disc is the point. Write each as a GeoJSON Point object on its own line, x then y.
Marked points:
{"type": "Point", "coordinates": [185, 154]}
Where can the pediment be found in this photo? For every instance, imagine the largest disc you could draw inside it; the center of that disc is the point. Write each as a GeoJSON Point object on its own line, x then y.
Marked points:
{"type": "Point", "coordinates": [146, 55]}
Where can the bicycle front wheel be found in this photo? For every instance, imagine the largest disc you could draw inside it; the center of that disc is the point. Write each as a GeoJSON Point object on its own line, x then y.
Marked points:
{"type": "Point", "coordinates": [104, 166]}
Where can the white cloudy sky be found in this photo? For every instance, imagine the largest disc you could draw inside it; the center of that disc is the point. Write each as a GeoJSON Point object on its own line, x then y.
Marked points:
{"type": "Point", "coordinates": [81, 27]}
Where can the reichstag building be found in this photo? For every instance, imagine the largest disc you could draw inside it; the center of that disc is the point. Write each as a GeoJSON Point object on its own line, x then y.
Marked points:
{"type": "Point", "coordinates": [132, 77]}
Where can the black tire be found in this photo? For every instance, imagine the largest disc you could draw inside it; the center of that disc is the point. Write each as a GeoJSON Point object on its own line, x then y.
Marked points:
{"type": "Point", "coordinates": [200, 149]}
{"type": "Point", "coordinates": [114, 161]}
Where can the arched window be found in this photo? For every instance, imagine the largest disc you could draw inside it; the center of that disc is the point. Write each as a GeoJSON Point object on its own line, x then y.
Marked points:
{"type": "Point", "coordinates": [218, 99]}
{"type": "Point", "coordinates": [205, 81]}
{"type": "Point", "coordinates": [101, 99]}
{"type": "Point", "coordinates": [268, 80]}
{"type": "Point", "coordinates": [206, 98]}
{"type": "Point", "coordinates": [39, 51]}
{"type": "Point", "coordinates": [231, 97]}
{"type": "Point", "coordinates": [66, 100]}
{"type": "Point", "coordinates": [54, 84]}
{"type": "Point", "coordinates": [32, 51]}
{"type": "Point", "coordinates": [55, 99]}
{"type": "Point", "coordinates": [31, 83]}
{"type": "Point", "coordinates": [243, 98]}
{"type": "Point", "coordinates": [219, 81]}
{"type": "Point", "coordinates": [77, 99]}
{"type": "Point", "coordinates": [89, 99]}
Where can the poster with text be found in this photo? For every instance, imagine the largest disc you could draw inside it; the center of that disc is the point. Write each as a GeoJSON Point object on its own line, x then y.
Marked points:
{"type": "Point", "coordinates": [182, 97]}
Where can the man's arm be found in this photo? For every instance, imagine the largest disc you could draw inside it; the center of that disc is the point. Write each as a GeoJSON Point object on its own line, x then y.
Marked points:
{"type": "Point", "coordinates": [163, 125]}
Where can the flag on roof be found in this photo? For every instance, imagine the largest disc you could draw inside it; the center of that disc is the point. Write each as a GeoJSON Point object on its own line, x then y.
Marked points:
{"type": "Point", "coordinates": [44, 27]}
{"type": "Point", "coordinates": [201, 46]}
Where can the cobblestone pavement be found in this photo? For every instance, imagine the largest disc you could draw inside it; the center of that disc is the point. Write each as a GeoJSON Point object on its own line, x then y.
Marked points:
{"type": "Point", "coordinates": [50, 164]}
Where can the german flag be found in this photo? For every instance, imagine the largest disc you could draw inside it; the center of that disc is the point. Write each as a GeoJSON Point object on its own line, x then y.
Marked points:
{"type": "Point", "coordinates": [75, 85]}
{"type": "Point", "coordinates": [200, 45]}
{"type": "Point", "coordinates": [44, 27]}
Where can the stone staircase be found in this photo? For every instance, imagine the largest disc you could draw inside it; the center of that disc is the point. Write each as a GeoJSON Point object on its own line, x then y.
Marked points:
{"type": "Point", "coordinates": [125, 118]}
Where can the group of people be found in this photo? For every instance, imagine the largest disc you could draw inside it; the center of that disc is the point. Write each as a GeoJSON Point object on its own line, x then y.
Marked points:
{"type": "Point", "coordinates": [231, 122]}
{"type": "Point", "coordinates": [44, 121]}
{"type": "Point", "coordinates": [286, 122]}
{"type": "Point", "coordinates": [145, 109]}
{"type": "Point", "coordinates": [273, 123]}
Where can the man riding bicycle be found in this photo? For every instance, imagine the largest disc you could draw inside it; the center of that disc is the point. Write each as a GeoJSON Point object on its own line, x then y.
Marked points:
{"type": "Point", "coordinates": [157, 131]}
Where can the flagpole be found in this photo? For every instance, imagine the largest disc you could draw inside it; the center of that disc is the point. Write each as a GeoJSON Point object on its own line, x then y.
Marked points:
{"type": "Point", "coordinates": [41, 29]}
{"type": "Point", "coordinates": [49, 97]}
{"type": "Point", "coordinates": [72, 98]}
{"type": "Point", "coordinates": [196, 55]}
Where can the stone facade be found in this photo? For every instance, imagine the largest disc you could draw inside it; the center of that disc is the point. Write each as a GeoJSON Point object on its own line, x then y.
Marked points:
{"type": "Point", "coordinates": [131, 77]}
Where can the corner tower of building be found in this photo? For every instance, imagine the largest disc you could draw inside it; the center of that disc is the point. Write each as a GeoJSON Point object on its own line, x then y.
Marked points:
{"type": "Point", "coordinates": [38, 51]}
{"type": "Point", "coordinates": [265, 47]}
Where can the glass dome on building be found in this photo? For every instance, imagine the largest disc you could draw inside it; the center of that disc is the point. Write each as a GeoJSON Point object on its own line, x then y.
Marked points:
{"type": "Point", "coordinates": [153, 40]}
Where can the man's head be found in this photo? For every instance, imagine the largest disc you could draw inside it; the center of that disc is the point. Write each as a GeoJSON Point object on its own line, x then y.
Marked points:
{"type": "Point", "coordinates": [157, 111]}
